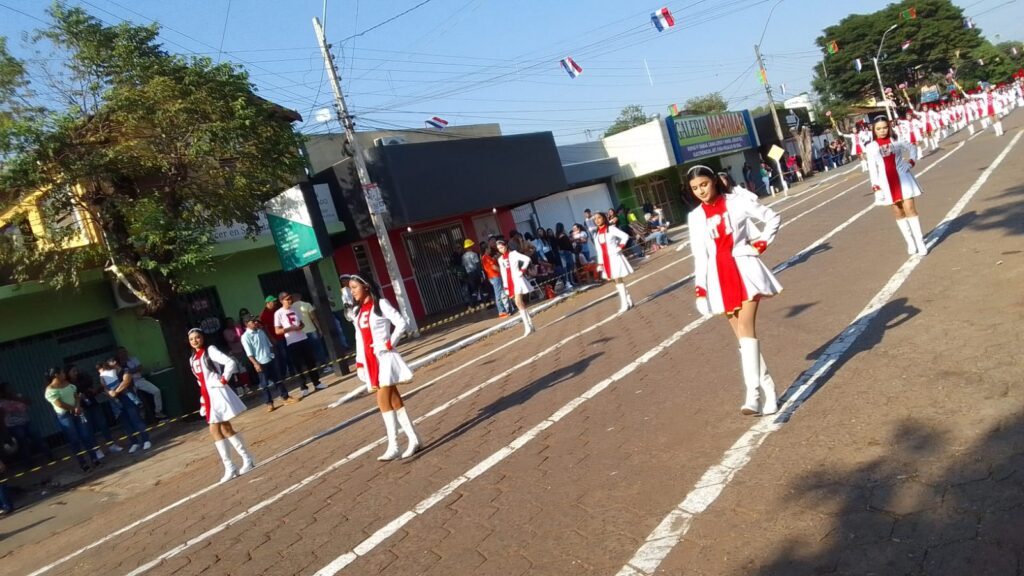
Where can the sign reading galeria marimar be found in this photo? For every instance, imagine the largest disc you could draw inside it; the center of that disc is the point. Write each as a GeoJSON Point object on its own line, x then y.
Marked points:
{"type": "Point", "coordinates": [696, 137]}
{"type": "Point", "coordinates": [292, 228]}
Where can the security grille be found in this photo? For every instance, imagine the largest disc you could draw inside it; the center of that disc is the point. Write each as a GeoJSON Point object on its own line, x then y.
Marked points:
{"type": "Point", "coordinates": [436, 263]}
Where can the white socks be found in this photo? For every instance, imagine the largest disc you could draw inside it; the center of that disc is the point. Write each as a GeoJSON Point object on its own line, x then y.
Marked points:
{"type": "Point", "coordinates": [238, 443]}
{"type": "Point", "coordinates": [410, 432]}
{"type": "Point", "coordinates": [224, 450]}
{"type": "Point", "coordinates": [915, 231]}
{"type": "Point", "coordinates": [527, 323]}
{"type": "Point", "coordinates": [391, 425]}
{"type": "Point", "coordinates": [908, 237]}
{"type": "Point", "coordinates": [625, 302]}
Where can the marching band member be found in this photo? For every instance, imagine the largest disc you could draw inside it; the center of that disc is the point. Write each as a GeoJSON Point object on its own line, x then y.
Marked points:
{"type": "Point", "coordinates": [513, 267]}
{"type": "Point", "coordinates": [379, 327]}
{"type": "Point", "coordinates": [890, 161]}
{"type": "Point", "coordinates": [610, 241]}
{"type": "Point", "coordinates": [729, 277]}
{"type": "Point", "coordinates": [213, 370]}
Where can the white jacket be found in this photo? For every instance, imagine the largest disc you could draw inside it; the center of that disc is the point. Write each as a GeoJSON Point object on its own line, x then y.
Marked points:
{"type": "Point", "coordinates": [517, 263]}
{"type": "Point", "coordinates": [616, 240]}
{"type": "Point", "coordinates": [223, 403]}
{"type": "Point", "coordinates": [876, 170]}
{"type": "Point", "coordinates": [386, 330]}
{"type": "Point", "coordinates": [757, 279]}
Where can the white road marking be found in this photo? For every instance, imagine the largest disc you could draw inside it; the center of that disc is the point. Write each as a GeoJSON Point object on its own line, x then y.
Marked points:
{"type": "Point", "coordinates": [664, 538]}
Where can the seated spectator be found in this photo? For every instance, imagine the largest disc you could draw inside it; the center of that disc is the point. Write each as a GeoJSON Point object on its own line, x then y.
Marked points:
{"type": "Point", "coordinates": [655, 231]}
{"type": "Point", "coordinates": [120, 387]}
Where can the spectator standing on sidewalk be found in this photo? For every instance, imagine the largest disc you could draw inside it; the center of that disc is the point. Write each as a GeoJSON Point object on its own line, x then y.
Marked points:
{"type": "Point", "coordinates": [288, 325]}
{"type": "Point", "coordinates": [94, 402]}
{"type": "Point", "coordinates": [474, 273]}
{"type": "Point", "coordinates": [581, 241]}
{"type": "Point", "coordinates": [489, 263]}
{"type": "Point", "coordinates": [588, 222]}
{"type": "Point", "coordinates": [19, 425]}
{"type": "Point", "coordinates": [134, 367]}
{"type": "Point", "coordinates": [260, 353]}
{"type": "Point", "coordinates": [313, 330]}
{"type": "Point", "coordinates": [379, 327]}
{"type": "Point", "coordinates": [513, 267]}
{"type": "Point", "coordinates": [233, 338]}
{"type": "Point", "coordinates": [66, 402]}
{"type": "Point", "coordinates": [120, 387]}
{"type": "Point", "coordinates": [280, 346]}
{"type": "Point", "coordinates": [219, 403]}
{"type": "Point", "coordinates": [729, 276]}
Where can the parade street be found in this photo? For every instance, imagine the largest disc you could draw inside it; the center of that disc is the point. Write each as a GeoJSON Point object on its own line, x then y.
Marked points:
{"type": "Point", "coordinates": [609, 444]}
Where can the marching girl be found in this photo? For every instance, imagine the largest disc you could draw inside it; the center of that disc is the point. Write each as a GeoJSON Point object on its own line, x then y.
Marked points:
{"type": "Point", "coordinates": [379, 327]}
{"type": "Point", "coordinates": [857, 141]}
{"type": "Point", "coordinates": [730, 279]}
{"type": "Point", "coordinates": [213, 370]}
{"type": "Point", "coordinates": [913, 127]}
{"type": "Point", "coordinates": [610, 242]}
{"type": "Point", "coordinates": [513, 267]}
{"type": "Point", "coordinates": [889, 164]}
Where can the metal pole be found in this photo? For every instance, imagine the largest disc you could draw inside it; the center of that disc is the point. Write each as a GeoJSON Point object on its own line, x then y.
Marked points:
{"type": "Point", "coordinates": [364, 179]}
{"type": "Point", "coordinates": [768, 90]}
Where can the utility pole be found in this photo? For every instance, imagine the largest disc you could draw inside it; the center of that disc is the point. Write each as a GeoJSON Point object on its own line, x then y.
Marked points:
{"type": "Point", "coordinates": [370, 191]}
{"type": "Point", "coordinates": [768, 90]}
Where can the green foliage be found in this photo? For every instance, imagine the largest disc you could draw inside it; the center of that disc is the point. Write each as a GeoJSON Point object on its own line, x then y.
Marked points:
{"type": "Point", "coordinates": [161, 149]}
{"type": "Point", "coordinates": [937, 36]}
{"type": "Point", "coordinates": [630, 117]}
{"type": "Point", "coordinates": [707, 104]}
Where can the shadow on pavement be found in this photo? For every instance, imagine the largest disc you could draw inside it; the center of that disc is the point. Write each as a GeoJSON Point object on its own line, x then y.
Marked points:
{"type": "Point", "coordinates": [918, 509]}
{"type": "Point", "coordinates": [891, 315]}
{"type": "Point", "coordinates": [516, 398]}
{"type": "Point", "coordinates": [799, 309]}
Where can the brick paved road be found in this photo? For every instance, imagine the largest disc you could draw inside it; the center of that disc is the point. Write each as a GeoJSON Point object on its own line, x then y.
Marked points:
{"type": "Point", "coordinates": [908, 460]}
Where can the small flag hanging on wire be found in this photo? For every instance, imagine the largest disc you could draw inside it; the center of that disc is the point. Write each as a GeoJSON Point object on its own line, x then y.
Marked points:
{"type": "Point", "coordinates": [571, 67]}
{"type": "Point", "coordinates": [437, 122]}
{"type": "Point", "coordinates": [673, 110]}
{"type": "Point", "coordinates": [857, 64]}
{"type": "Point", "coordinates": [833, 47]}
{"type": "Point", "coordinates": [662, 19]}
{"type": "Point", "coordinates": [908, 14]}
{"type": "Point", "coordinates": [782, 88]}
{"type": "Point", "coordinates": [905, 45]}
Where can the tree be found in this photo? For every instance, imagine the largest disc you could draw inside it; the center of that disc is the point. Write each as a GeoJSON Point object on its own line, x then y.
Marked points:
{"type": "Point", "coordinates": [707, 104]}
{"type": "Point", "coordinates": [630, 117]}
{"type": "Point", "coordinates": [155, 150]}
{"type": "Point", "coordinates": [937, 35]}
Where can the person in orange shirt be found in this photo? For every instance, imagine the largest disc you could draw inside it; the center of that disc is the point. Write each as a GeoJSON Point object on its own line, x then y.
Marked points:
{"type": "Point", "coordinates": [493, 273]}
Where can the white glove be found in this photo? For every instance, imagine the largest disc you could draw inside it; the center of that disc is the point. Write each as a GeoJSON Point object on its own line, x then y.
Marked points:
{"type": "Point", "coordinates": [703, 307]}
{"type": "Point", "coordinates": [745, 250]}
{"type": "Point", "coordinates": [202, 410]}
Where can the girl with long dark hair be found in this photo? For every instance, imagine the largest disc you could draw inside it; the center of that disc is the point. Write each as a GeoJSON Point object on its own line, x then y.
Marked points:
{"type": "Point", "coordinates": [889, 162]}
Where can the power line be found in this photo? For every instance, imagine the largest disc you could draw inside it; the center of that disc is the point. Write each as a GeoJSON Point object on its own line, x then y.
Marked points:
{"type": "Point", "coordinates": [224, 31]}
{"type": "Point", "coordinates": [388, 21]}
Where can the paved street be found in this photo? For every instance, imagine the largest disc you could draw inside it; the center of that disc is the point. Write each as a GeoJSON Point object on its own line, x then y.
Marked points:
{"type": "Point", "coordinates": [609, 444]}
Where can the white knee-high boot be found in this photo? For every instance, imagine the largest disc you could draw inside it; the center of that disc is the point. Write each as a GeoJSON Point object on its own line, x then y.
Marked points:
{"type": "Point", "coordinates": [527, 323]}
{"type": "Point", "coordinates": [970, 128]}
{"type": "Point", "coordinates": [238, 443]}
{"type": "Point", "coordinates": [863, 166]}
{"type": "Point", "coordinates": [998, 126]}
{"type": "Point", "coordinates": [908, 236]}
{"type": "Point", "coordinates": [915, 231]}
{"type": "Point", "coordinates": [224, 450]}
{"type": "Point", "coordinates": [410, 432]}
{"type": "Point", "coordinates": [624, 303]}
{"type": "Point", "coordinates": [391, 425]}
{"type": "Point", "coordinates": [769, 402]}
{"type": "Point", "coordinates": [750, 361]}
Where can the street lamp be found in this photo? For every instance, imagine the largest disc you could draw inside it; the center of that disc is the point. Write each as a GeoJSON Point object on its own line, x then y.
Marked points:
{"type": "Point", "coordinates": [881, 88]}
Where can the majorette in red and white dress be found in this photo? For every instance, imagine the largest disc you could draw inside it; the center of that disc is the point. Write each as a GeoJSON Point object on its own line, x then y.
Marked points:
{"type": "Point", "coordinates": [513, 265]}
{"type": "Point", "coordinates": [377, 362]}
{"type": "Point", "coordinates": [889, 164]}
{"type": "Point", "coordinates": [609, 242]}
{"type": "Point", "coordinates": [219, 400]}
{"type": "Point", "coordinates": [727, 269]}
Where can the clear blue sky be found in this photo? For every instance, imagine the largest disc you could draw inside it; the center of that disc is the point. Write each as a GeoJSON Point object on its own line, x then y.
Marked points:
{"type": "Point", "coordinates": [472, 61]}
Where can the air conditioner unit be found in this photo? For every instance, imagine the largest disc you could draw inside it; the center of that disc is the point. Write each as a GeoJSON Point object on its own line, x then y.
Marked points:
{"type": "Point", "coordinates": [123, 297]}
{"type": "Point", "coordinates": [389, 141]}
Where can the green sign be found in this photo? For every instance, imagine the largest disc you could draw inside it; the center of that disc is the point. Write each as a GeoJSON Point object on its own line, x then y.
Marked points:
{"type": "Point", "coordinates": [292, 228]}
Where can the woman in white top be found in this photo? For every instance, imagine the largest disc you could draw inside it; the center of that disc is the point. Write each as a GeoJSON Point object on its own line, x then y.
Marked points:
{"type": "Point", "coordinates": [609, 243]}
{"type": "Point", "coordinates": [729, 276]}
{"type": "Point", "coordinates": [213, 370]}
{"type": "Point", "coordinates": [889, 162]}
{"type": "Point", "coordinates": [513, 267]}
{"type": "Point", "coordinates": [379, 327]}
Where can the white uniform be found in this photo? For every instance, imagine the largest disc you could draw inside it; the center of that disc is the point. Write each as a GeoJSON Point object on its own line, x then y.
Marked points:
{"type": "Point", "coordinates": [378, 335]}
{"type": "Point", "coordinates": [512, 265]}
{"type": "Point", "coordinates": [221, 402]}
{"type": "Point", "coordinates": [887, 164]}
{"type": "Point", "coordinates": [612, 241]}
{"type": "Point", "coordinates": [755, 277]}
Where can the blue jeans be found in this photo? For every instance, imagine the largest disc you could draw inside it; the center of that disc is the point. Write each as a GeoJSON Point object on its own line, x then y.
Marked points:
{"type": "Point", "coordinates": [131, 420]}
{"type": "Point", "coordinates": [660, 237]}
{"type": "Point", "coordinates": [281, 357]}
{"type": "Point", "coordinates": [569, 265]}
{"type": "Point", "coordinates": [5, 499]}
{"type": "Point", "coordinates": [79, 436]}
{"type": "Point", "coordinates": [499, 295]}
{"type": "Point", "coordinates": [316, 341]}
{"type": "Point", "coordinates": [97, 416]}
{"type": "Point", "coordinates": [267, 378]}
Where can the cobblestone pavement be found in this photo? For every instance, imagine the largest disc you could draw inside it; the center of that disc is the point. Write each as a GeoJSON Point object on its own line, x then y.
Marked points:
{"type": "Point", "coordinates": [560, 453]}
